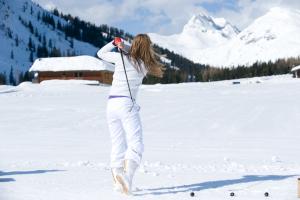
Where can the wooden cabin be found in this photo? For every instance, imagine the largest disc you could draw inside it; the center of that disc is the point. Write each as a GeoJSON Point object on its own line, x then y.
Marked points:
{"type": "Point", "coordinates": [296, 71]}
{"type": "Point", "coordinates": [78, 67]}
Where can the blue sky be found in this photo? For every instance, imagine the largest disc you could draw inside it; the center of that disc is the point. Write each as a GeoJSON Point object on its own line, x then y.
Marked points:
{"type": "Point", "coordinates": [216, 6]}
{"type": "Point", "coordinates": [164, 16]}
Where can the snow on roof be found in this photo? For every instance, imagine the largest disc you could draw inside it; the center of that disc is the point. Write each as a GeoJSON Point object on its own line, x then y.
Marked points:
{"type": "Point", "coordinates": [165, 60]}
{"type": "Point", "coordinates": [76, 63]}
{"type": "Point", "coordinates": [174, 67]}
{"type": "Point", "coordinates": [296, 68]}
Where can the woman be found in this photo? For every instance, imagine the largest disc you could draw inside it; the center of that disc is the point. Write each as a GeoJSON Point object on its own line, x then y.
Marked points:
{"type": "Point", "coordinates": [122, 111]}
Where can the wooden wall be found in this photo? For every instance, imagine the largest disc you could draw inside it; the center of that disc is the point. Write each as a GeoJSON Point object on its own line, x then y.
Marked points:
{"type": "Point", "coordinates": [101, 76]}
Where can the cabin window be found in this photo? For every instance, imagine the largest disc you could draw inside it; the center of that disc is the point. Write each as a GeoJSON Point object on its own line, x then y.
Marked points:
{"type": "Point", "coordinates": [78, 74]}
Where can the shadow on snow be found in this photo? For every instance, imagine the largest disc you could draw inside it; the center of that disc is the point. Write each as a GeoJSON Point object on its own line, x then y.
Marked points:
{"type": "Point", "coordinates": [210, 185]}
{"type": "Point", "coordinates": [8, 91]}
{"type": "Point", "coordinates": [23, 173]}
{"type": "Point", "coordinates": [2, 180]}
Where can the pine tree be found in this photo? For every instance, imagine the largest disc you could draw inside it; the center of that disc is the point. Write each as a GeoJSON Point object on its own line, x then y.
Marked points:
{"type": "Point", "coordinates": [21, 77]}
{"type": "Point", "coordinates": [33, 47]}
{"type": "Point", "coordinates": [30, 26]}
{"type": "Point", "coordinates": [55, 52]}
{"type": "Point", "coordinates": [42, 52]}
{"type": "Point", "coordinates": [50, 44]}
{"type": "Point", "coordinates": [55, 12]}
{"type": "Point", "coordinates": [39, 16]}
{"type": "Point", "coordinates": [72, 43]}
{"type": "Point", "coordinates": [9, 33]}
{"type": "Point", "coordinates": [17, 41]}
{"type": "Point", "coordinates": [58, 25]}
{"type": "Point", "coordinates": [44, 41]}
{"type": "Point", "coordinates": [12, 55]}
{"type": "Point", "coordinates": [27, 76]}
{"type": "Point", "coordinates": [36, 33]}
{"type": "Point", "coordinates": [31, 57]}
{"type": "Point", "coordinates": [2, 78]}
{"type": "Point", "coordinates": [30, 44]}
{"type": "Point", "coordinates": [12, 79]}
{"type": "Point", "coordinates": [39, 52]}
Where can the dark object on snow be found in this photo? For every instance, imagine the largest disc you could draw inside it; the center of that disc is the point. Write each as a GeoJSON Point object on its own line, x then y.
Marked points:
{"type": "Point", "coordinates": [192, 194]}
{"type": "Point", "coordinates": [298, 187]}
{"type": "Point", "coordinates": [266, 194]}
{"type": "Point", "coordinates": [232, 194]}
{"type": "Point", "coordinates": [236, 82]}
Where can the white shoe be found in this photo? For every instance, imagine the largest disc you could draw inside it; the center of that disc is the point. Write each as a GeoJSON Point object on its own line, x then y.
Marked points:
{"type": "Point", "coordinates": [117, 185]}
{"type": "Point", "coordinates": [124, 182]}
{"type": "Point", "coordinates": [125, 179]}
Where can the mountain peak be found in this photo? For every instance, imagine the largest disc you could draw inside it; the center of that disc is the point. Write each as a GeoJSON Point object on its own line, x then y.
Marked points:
{"type": "Point", "coordinates": [200, 21]}
{"type": "Point", "coordinates": [203, 23]}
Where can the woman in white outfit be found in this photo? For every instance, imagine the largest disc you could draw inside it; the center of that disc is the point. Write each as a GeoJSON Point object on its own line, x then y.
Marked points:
{"type": "Point", "coordinates": [122, 110]}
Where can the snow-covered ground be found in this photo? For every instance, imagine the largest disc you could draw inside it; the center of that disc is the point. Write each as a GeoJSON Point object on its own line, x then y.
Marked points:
{"type": "Point", "coordinates": [210, 138]}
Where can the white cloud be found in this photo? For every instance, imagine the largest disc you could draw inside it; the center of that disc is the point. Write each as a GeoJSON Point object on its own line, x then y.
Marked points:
{"type": "Point", "coordinates": [162, 16]}
{"type": "Point", "coordinates": [249, 10]}
{"type": "Point", "coordinates": [176, 12]}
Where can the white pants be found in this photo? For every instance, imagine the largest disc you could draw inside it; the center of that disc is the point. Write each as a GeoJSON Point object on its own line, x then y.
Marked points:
{"type": "Point", "coordinates": [125, 131]}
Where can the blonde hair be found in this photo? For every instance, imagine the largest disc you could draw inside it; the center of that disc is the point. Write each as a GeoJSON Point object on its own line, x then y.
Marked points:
{"type": "Point", "coordinates": [141, 50]}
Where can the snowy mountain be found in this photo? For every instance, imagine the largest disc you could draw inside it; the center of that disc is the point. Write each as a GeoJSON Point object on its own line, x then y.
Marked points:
{"type": "Point", "coordinates": [22, 32]}
{"type": "Point", "coordinates": [201, 32]}
{"type": "Point", "coordinates": [271, 36]}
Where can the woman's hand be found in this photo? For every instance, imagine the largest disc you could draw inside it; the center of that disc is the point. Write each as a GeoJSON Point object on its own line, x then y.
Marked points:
{"type": "Point", "coordinates": [118, 42]}
{"type": "Point", "coordinates": [120, 45]}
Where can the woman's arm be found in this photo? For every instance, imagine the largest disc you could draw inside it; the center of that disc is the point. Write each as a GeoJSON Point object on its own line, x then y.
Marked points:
{"type": "Point", "coordinates": [105, 53]}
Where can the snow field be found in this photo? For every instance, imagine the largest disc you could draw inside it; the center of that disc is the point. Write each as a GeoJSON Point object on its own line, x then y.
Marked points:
{"type": "Point", "coordinates": [210, 138]}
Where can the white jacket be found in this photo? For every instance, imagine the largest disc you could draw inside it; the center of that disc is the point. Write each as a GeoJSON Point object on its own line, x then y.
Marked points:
{"type": "Point", "coordinates": [119, 85]}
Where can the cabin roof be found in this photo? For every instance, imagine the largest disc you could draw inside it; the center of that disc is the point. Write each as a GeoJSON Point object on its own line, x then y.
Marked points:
{"type": "Point", "coordinates": [295, 68]}
{"type": "Point", "coordinates": [75, 63]}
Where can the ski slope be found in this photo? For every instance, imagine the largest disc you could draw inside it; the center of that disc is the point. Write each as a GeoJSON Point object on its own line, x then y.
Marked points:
{"type": "Point", "coordinates": [211, 138]}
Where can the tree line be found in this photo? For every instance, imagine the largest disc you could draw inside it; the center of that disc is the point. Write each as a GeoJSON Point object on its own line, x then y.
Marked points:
{"type": "Point", "coordinates": [280, 66]}
{"type": "Point", "coordinates": [2, 78]}
{"type": "Point", "coordinates": [207, 73]}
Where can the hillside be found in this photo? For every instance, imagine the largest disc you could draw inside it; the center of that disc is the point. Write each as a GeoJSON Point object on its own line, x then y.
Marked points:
{"type": "Point", "coordinates": [25, 35]}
